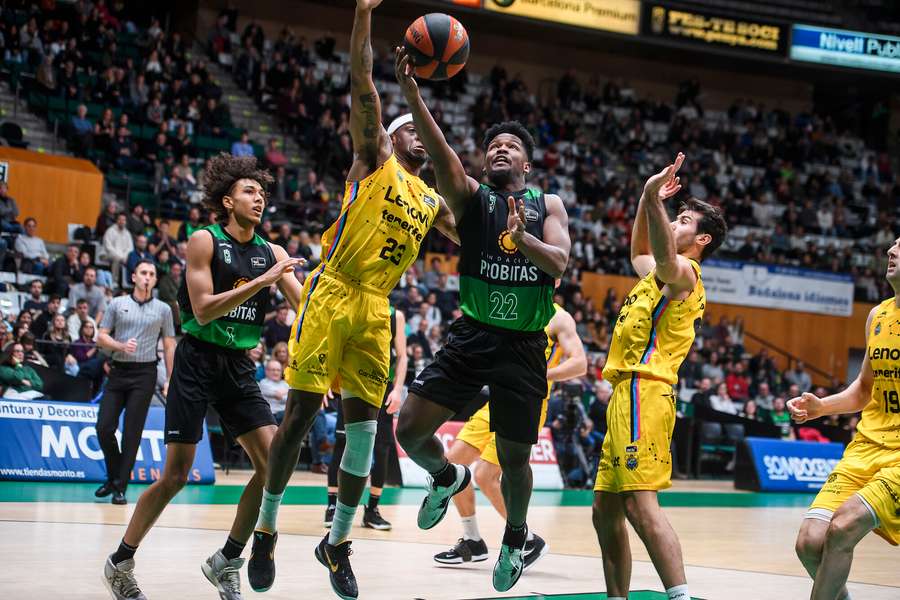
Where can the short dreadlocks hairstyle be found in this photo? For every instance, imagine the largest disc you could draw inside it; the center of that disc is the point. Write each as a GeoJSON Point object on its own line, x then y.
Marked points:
{"type": "Point", "coordinates": [222, 172]}
{"type": "Point", "coordinates": [512, 127]}
{"type": "Point", "coordinates": [712, 222]}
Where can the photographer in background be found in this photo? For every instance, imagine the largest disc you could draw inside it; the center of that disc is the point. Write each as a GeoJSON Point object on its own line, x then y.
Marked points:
{"type": "Point", "coordinates": [573, 435]}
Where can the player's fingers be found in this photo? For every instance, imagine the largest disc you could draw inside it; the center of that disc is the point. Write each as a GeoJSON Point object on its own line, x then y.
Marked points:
{"type": "Point", "coordinates": [511, 204]}
{"type": "Point", "coordinates": [679, 160]}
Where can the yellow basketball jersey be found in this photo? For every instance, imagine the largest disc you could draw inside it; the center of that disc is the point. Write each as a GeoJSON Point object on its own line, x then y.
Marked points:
{"type": "Point", "coordinates": [880, 422]}
{"type": "Point", "coordinates": [383, 220]}
{"type": "Point", "coordinates": [554, 352]}
{"type": "Point", "coordinates": [653, 333]}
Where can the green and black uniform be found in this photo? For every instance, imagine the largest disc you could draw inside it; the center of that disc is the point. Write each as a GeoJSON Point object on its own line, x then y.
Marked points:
{"type": "Point", "coordinates": [506, 301]}
{"type": "Point", "coordinates": [211, 362]}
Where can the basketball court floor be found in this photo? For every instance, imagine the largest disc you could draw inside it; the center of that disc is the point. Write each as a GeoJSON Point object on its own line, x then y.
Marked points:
{"type": "Point", "coordinates": [54, 538]}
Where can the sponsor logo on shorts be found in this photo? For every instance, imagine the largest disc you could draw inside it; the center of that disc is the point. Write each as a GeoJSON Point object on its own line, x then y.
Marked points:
{"type": "Point", "coordinates": [315, 368]}
{"type": "Point", "coordinates": [372, 376]}
{"type": "Point", "coordinates": [631, 462]}
{"type": "Point", "coordinates": [893, 494]}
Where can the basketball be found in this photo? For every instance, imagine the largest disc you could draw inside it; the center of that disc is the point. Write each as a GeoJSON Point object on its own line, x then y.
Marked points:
{"type": "Point", "coordinates": [438, 46]}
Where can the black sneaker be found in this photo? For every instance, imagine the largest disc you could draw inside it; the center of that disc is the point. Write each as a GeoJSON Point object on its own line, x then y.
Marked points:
{"type": "Point", "coordinates": [464, 551]}
{"type": "Point", "coordinates": [261, 566]}
{"type": "Point", "coordinates": [106, 489]}
{"type": "Point", "coordinates": [374, 520]}
{"type": "Point", "coordinates": [534, 550]}
{"type": "Point", "coordinates": [119, 498]}
{"type": "Point", "coordinates": [329, 515]}
{"type": "Point", "coordinates": [337, 560]}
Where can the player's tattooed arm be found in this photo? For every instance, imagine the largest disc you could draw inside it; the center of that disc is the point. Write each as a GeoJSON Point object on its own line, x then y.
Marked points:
{"type": "Point", "coordinates": [455, 186]}
{"type": "Point", "coordinates": [371, 145]}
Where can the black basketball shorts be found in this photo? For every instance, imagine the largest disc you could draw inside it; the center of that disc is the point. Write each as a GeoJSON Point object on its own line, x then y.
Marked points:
{"type": "Point", "coordinates": [512, 364]}
{"type": "Point", "coordinates": [205, 374]}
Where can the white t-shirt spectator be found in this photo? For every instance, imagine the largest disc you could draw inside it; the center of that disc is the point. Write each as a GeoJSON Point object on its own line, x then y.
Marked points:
{"type": "Point", "coordinates": [118, 243]}
{"type": "Point", "coordinates": [31, 247]}
{"type": "Point", "coordinates": [275, 393]}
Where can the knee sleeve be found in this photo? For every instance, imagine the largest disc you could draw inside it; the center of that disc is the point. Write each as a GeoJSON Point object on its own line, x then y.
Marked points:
{"type": "Point", "coordinates": [357, 458]}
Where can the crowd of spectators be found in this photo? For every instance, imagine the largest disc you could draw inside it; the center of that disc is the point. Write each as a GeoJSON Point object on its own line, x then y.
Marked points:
{"type": "Point", "coordinates": [797, 189]}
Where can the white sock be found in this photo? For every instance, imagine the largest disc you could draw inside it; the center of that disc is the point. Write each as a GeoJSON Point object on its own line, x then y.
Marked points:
{"type": "Point", "coordinates": [679, 592]}
{"type": "Point", "coordinates": [470, 528]}
{"type": "Point", "coordinates": [616, 598]}
{"type": "Point", "coordinates": [268, 511]}
{"type": "Point", "coordinates": [530, 536]}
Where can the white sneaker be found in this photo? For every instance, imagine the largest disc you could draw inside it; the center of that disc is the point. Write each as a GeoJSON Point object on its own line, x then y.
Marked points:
{"type": "Point", "coordinates": [225, 575]}
{"type": "Point", "coordinates": [119, 580]}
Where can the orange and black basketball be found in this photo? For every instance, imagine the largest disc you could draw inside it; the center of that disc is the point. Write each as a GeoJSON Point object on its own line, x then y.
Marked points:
{"type": "Point", "coordinates": [438, 46]}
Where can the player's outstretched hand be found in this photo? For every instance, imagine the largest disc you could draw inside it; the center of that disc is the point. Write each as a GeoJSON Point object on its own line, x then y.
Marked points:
{"type": "Point", "coordinates": [279, 269]}
{"type": "Point", "coordinates": [805, 407]}
{"type": "Point", "coordinates": [515, 221]}
{"type": "Point", "coordinates": [367, 4]}
{"type": "Point", "coordinates": [393, 402]}
{"type": "Point", "coordinates": [405, 73]}
{"type": "Point", "coordinates": [665, 184]}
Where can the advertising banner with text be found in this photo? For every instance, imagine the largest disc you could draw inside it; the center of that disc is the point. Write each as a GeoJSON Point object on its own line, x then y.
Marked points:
{"type": "Point", "coordinates": [773, 286]}
{"type": "Point", "coordinates": [543, 459]}
{"type": "Point", "coordinates": [621, 16]}
{"type": "Point", "coordinates": [56, 441]}
{"type": "Point", "coordinates": [843, 48]}
{"type": "Point", "coordinates": [714, 30]}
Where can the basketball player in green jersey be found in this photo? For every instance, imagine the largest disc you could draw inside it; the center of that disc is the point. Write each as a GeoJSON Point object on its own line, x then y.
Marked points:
{"type": "Point", "coordinates": [223, 299]}
{"type": "Point", "coordinates": [514, 242]}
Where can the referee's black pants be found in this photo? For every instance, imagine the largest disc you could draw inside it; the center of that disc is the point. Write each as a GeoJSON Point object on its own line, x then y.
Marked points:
{"type": "Point", "coordinates": [130, 388]}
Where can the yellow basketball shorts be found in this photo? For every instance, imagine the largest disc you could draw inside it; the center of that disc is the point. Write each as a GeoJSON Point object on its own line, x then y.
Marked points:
{"type": "Point", "coordinates": [636, 452]}
{"type": "Point", "coordinates": [872, 472]}
{"type": "Point", "coordinates": [341, 330]}
{"type": "Point", "coordinates": [477, 433]}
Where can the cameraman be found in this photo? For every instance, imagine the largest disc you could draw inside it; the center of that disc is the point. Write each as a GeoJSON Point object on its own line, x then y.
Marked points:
{"type": "Point", "coordinates": [572, 435]}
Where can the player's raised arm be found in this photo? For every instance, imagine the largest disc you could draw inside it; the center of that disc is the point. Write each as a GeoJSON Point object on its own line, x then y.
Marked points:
{"type": "Point", "coordinates": [452, 182]}
{"type": "Point", "coordinates": [641, 254]}
{"type": "Point", "coordinates": [671, 268]}
{"type": "Point", "coordinates": [562, 327]}
{"type": "Point", "coordinates": [853, 399]}
{"type": "Point", "coordinates": [371, 144]}
{"type": "Point", "coordinates": [551, 255]}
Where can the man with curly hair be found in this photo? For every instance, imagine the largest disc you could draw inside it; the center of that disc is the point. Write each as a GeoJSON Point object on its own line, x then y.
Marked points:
{"type": "Point", "coordinates": [223, 296]}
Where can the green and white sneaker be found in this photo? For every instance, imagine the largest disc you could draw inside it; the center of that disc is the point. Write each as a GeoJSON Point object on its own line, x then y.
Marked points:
{"type": "Point", "coordinates": [119, 580]}
{"type": "Point", "coordinates": [225, 575]}
{"type": "Point", "coordinates": [509, 567]}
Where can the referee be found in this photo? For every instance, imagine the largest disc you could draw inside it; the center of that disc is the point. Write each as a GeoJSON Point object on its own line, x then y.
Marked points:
{"type": "Point", "coordinates": [131, 328]}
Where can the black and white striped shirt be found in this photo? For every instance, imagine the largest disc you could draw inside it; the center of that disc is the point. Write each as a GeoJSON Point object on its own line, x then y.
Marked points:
{"type": "Point", "coordinates": [126, 318]}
